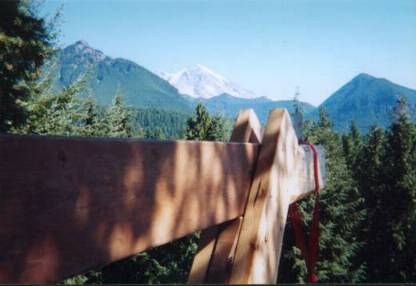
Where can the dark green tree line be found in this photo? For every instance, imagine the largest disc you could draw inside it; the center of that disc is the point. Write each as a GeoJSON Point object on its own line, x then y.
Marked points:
{"type": "Point", "coordinates": [387, 179]}
{"type": "Point", "coordinates": [368, 226]}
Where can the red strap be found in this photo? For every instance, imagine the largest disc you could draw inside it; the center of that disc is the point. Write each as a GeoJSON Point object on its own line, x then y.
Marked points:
{"type": "Point", "coordinates": [310, 252]}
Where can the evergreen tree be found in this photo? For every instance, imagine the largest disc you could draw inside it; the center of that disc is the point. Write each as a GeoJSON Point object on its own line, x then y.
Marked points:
{"type": "Point", "coordinates": [93, 120]}
{"type": "Point", "coordinates": [203, 127]}
{"type": "Point", "coordinates": [154, 122]}
{"type": "Point", "coordinates": [396, 209]}
{"type": "Point", "coordinates": [199, 124]}
{"type": "Point", "coordinates": [217, 129]}
{"type": "Point", "coordinates": [53, 114]}
{"type": "Point", "coordinates": [368, 174]}
{"type": "Point", "coordinates": [119, 119]}
{"type": "Point", "coordinates": [298, 116]}
{"type": "Point", "coordinates": [351, 144]}
{"type": "Point", "coordinates": [154, 133]}
{"type": "Point", "coordinates": [25, 42]}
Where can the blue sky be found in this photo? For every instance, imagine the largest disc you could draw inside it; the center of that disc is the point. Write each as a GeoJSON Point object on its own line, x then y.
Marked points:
{"type": "Point", "coordinates": [269, 47]}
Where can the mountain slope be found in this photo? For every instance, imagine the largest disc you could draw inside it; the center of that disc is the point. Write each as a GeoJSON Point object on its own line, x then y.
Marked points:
{"type": "Point", "coordinates": [201, 82]}
{"type": "Point", "coordinates": [367, 100]}
{"type": "Point", "coordinates": [229, 106]}
{"type": "Point", "coordinates": [106, 76]}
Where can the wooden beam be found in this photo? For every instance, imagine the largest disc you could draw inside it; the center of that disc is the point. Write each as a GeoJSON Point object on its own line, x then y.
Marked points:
{"type": "Point", "coordinates": [69, 204]}
{"type": "Point", "coordinates": [211, 262]}
{"type": "Point", "coordinates": [282, 176]}
{"type": "Point", "coordinates": [302, 177]}
{"type": "Point", "coordinates": [247, 128]}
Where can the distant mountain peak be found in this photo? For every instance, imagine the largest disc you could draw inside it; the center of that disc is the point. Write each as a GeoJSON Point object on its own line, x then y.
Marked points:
{"type": "Point", "coordinates": [83, 49]}
{"type": "Point", "coordinates": [204, 69]}
{"type": "Point", "coordinates": [82, 43]}
{"type": "Point", "coordinates": [199, 81]}
{"type": "Point", "coordinates": [364, 77]}
{"type": "Point", "coordinates": [367, 100]}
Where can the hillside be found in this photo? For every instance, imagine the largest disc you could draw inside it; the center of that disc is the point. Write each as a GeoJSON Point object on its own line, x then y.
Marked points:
{"type": "Point", "coordinates": [142, 89]}
{"type": "Point", "coordinates": [365, 99]}
{"type": "Point", "coordinates": [106, 76]}
{"type": "Point", "coordinates": [368, 101]}
{"type": "Point", "coordinates": [229, 106]}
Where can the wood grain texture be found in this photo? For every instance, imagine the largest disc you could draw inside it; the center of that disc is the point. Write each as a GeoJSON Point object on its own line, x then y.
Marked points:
{"type": "Point", "coordinates": [69, 204]}
{"type": "Point", "coordinates": [282, 176]}
{"type": "Point", "coordinates": [203, 255]}
{"type": "Point", "coordinates": [214, 256]}
{"type": "Point", "coordinates": [223, 256]}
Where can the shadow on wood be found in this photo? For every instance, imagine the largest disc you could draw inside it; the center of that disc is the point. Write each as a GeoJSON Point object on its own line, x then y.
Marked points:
{"type": "Point", "coordinates": [68, 204]}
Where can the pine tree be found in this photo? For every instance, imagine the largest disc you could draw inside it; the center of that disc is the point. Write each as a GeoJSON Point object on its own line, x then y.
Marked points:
{"type": "Point", "coordinates": [351, 144]}
{"type": "Point", "coordinates": [199, 124]}
{"type": "Point", "coordinates": [154, 133]}
{"type": "Point", "coordinates": [119, 119]}
{"type": "Point", "coordinates": [217, 129]}
{"type": "Point", "coordinates": [396, 209]}
{"type": "Point", "coordinates": [93, 120]}
{"type": "Point", "coordinates": [298, 116]}
{"type": "Point", "coordinates": [25, 42]}
{"type": "Point", "coordinates": [50, 114]}
{"type": "Point", "coordinates": [368, 174]}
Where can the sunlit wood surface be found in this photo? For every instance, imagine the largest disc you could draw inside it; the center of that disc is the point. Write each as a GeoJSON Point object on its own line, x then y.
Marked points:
{"type": "Point", "coordinates": [70, 204]}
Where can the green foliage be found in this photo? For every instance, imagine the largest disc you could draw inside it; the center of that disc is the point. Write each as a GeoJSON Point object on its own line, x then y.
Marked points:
{"type": "Point", "coordinates": [384, 171]}
{"type": "Point", "coordinates": [162, 124]}
{"type": "Point", "coordinates": [351, 144]}
{"type": "Point", "coordinates": [25, 42]}
{"type": "Point", "coordinates": [53, 114]}
{"type": "Point", "coordinates": [298, 116]}
{"type": "Point", "coordinates": [66, 113]}
{"type": "Point", "coordinates": [198, 125]}
{"type": "Point", "coordinates": [368, 218]}
{"type": "Point", "coordinates": [119, 119]}
{"type": "Point", "coordinates": [201, 126]}
{"type": "Point", "coordinates": [140, 87]}
{"type": "Point", "coordinates": [93, 120]}
{"type": "Point", "coordinates": [368, 174]}
{"type": "Point", "coordinates": [169, 263]}
{"type": "Point", "coordinates": [393, 221]}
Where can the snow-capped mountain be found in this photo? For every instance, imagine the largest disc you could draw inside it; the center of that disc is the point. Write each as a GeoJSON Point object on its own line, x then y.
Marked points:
{"type": "Point", "coordinates": [200, 81]}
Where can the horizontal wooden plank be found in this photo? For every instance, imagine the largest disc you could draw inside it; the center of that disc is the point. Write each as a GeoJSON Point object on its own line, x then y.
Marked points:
{"type": "Point", "coordinates": [68, 204]}
{"type": "Point", "coordinates": [301, 179]}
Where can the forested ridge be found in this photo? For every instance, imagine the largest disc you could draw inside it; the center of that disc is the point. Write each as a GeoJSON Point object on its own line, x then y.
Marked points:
{"type": "Point", "coordinates": [368, 207]}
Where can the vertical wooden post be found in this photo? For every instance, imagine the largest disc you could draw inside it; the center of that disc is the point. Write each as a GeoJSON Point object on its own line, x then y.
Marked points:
{"type": "Point", "coordinates": [259, 245]}
{"type": "Point", "coordinates": [212, 263]}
